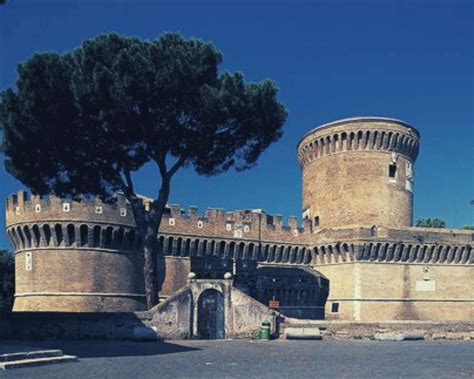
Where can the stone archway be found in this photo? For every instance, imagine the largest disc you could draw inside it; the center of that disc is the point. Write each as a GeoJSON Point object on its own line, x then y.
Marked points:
{"type": "Point", "coordinates": [211, 315]}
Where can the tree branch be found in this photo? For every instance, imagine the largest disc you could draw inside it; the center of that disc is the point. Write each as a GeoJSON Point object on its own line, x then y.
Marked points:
{"type": "Point", "coordinates": [176, 166]}
{"type": "Point", "coordinates": [127, 185]}
{"type": "Point", "coordinates": [161, 162]}
{"type": "Point", "coordinates": [128, 176]}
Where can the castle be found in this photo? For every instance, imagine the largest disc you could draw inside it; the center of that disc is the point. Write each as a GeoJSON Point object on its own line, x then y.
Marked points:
{"type": "Point", "coordinates": [356, 255]}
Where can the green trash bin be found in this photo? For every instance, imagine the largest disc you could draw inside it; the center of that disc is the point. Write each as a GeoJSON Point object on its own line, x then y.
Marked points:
{"type": "Point", "coordinates": [264, 334]}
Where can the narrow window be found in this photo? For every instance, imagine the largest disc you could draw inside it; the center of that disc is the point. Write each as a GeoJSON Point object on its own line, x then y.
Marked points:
{"type": "Point", "coordinates": [316, 221]}
{"type": "Point", "coordinates": [392, 171]}
{"type": "Point", "coordinates": [335, 308]}
{"type": "Point", "coordinates": [28, 261]}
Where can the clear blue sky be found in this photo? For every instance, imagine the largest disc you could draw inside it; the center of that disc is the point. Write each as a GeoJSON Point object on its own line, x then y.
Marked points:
{"type": "Point", "coordinates": [412, 60]}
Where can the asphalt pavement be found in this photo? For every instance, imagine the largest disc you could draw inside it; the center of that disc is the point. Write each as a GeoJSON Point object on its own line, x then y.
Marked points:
{"type": "Point", "coordinates": [252, 359]}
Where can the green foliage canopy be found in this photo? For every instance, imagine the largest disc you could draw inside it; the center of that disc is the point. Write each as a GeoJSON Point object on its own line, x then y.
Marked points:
{"type": "Point", "coordinates": [7, 280]}
{"type": "Point", "coordinates": [431, 223]}
{"type": "Point", "coordinates": [80, 122]}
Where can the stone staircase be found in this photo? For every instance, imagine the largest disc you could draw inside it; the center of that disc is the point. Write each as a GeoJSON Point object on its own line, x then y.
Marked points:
{"type": "Point", "coordinates": [34, 358]}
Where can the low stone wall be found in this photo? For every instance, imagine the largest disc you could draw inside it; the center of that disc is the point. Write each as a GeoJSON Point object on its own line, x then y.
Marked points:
{"type": "Point", "coordinates": [70, 326]}
{"type": "Point", "coordinates": [340, 330]}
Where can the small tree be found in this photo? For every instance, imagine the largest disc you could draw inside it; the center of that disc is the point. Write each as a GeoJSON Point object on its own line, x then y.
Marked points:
{"type": "Point", "coordinates": [431, 223]}
{"type": "Point", "coordinates": [7, 280]}
{"type": "Point", "coordinates": [81, 123]}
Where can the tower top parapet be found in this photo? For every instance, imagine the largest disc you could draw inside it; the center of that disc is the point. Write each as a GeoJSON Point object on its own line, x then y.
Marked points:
{"type": "Point", "coordinates": [359, 119]}
{"type": "Point", "coordinates": [376, 134]}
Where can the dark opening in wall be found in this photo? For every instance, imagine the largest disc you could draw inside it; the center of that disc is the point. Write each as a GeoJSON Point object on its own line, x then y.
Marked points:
{"type": "Point", "coordinates": [316, 221]}
{"type": "Point", "coordinates": [47, 234]}
{"type": "Point", "coordinates": [335, 308]}
{"type": "Point", "coordinates": [84, 229]}
{"type": "Point", "coordinates": [59, 234]}
{"type": "Point", "coordinates": [392, 170]}
{"type": "Point", "coordinates": [96, 236]}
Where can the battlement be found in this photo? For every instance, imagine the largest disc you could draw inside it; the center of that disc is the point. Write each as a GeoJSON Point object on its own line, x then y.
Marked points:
{"type": "Point", "coordinates": [23, 207]}
{"type": "Point", "coordinates": [359, 134]}
{"type": "Point", "coordinates": [246, 224]}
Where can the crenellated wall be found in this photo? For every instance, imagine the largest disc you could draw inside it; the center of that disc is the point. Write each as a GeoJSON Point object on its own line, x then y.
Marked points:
{"type": "Point", "coordinates": [238, 235]}
{"type": "Point", "coordinates": [86, 256]}
{"type": "Point", "coordinates": [75, 256]}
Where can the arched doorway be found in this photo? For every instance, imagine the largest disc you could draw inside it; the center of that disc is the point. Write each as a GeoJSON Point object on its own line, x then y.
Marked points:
{"type": "Point", "coordinates": [211, 315]}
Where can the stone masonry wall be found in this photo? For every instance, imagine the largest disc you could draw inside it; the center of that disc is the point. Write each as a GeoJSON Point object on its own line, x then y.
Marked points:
{"type": "Point", "coordinates": [346, 175]}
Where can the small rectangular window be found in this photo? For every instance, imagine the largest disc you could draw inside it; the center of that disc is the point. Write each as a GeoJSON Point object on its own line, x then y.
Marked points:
{"type": "Point", "coordinates": [316, 221]}
{"type": "Point", "coordinates": [28, 261]}
{"type": "Point", "coordinates": [392, 171]}
{"type": "Point", "coordinates": [335, 308]}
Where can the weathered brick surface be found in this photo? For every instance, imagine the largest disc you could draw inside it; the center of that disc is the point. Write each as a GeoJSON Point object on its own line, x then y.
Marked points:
{"type": "Point", "coordinates": [346, 172]}
{"type": "Point", "coordinates": [84, 258]}
{"type": "Point", "coordinates": [364, 243]}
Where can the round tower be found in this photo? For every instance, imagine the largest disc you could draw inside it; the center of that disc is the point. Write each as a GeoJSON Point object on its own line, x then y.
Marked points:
{"type": "Point", "coordinates": [75, 256]}
{"type": "Point", "coordinates": [359, 171]}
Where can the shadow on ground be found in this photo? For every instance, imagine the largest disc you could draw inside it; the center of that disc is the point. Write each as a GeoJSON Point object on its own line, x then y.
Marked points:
{"type": "Point", "coordinates": [97, 349]}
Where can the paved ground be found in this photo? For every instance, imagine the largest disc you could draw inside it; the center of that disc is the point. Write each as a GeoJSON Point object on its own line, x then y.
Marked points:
{"type": "Point", "coordinates": [239, 359]}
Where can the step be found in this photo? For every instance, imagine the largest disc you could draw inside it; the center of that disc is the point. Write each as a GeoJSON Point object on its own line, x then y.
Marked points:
{"type": "Point", "coordinates": [293, 333]}
{"type": "Point", "coordinates": [30, 355]}
{"type": "Point", "coordinates": [37, 362]}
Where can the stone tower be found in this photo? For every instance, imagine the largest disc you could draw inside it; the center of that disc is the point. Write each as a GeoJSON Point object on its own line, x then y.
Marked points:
{"type": "Point", "coordinates": [359, 171]}
{"type": "Point", "coordinates": [75, 256]}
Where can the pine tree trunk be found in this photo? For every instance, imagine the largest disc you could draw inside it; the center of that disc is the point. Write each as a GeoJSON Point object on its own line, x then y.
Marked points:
{"type": "Point", "coordinates": [151, 228]}
{"type": "Point", "coordinates": [148, 226]}
{"type": "Point", "coordinates": [150, 267]}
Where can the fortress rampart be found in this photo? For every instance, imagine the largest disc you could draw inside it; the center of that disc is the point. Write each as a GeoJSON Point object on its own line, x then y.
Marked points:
{"type": "Point", "coordinates": [356, 232]}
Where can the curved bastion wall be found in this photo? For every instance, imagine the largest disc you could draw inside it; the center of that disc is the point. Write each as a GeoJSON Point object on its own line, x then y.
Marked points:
{"type": "Point", "coordinates": [359, 171]}
{"type": "Point", "coordinates": [75, 256]}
